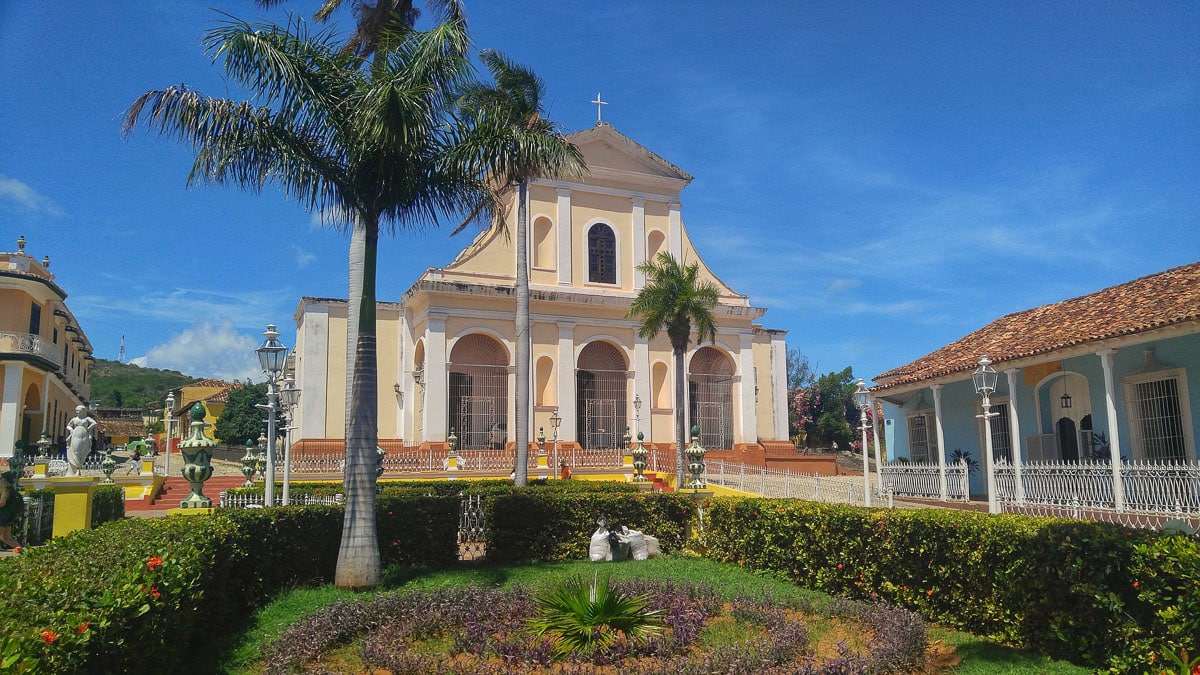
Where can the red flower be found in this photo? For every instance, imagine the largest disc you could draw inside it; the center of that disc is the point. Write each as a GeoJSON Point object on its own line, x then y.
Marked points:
{"type": "Point", "coordinates": [1136, 584]}
{"type": "Point", "coordinates": [929, 592]}
{"type": "Point", "coordinates": [154, 593]}
{"type": "Point", "coordinates": [154, 562]}
{"type": "Point", "coordinates": [83, 627]}
{"type": "Point", "coordinates": [839, 566]}
{"type": "Point", "coordinates": [49, 636]}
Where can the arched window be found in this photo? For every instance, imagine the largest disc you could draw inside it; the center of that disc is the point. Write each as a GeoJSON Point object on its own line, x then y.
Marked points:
{"type": "Point", "coordinates": [543, 243]}
{"type": "Point", "coordinates": [602, 255]}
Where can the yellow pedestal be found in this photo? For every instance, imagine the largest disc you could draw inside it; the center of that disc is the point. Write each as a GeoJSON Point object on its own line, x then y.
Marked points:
{"type": "Point", "coordinates": [452, 462]}
{"type": "Point", "coordinates": [72, 504]}
{"type": "Point", "coordinates": [190, 512]}
{"type": "Point", "coordinates": [147, 467]}
{"type": "Point", "coordinates": [542, 460]}
{"type": "Point", "coordinates": [626, 460]}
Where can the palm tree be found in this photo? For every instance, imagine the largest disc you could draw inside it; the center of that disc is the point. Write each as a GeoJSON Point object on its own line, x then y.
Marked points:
{"type": "Point", "coordinates": [375, 21]}
{"type": "Point", "coordinates": [516, 144]}
{"type": "Point", "coordinates": [674, 298]}
{"type": "Point", "coordinates": [335, 131]}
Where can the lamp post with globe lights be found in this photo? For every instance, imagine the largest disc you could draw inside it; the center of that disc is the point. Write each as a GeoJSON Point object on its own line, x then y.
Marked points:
{"type": "Point", "coordinates": [555, 422]}
{"type": "Point", "coordinates": [170, 413]}
{"type": "Point", "coordinates": [984, 378]}
{"type": "Point", "coordinates": [272, 354]}
{"type": "Point", "coordinates": [291, 396]}
{"type": "Point", "coordinates": [862, 398]}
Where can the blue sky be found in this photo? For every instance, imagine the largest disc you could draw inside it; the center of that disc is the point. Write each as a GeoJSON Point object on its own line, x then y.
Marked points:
{"type": "Point", "coordinates": [884, 177]}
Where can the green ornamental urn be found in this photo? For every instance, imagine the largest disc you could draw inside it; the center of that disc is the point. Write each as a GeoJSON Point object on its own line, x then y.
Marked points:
{"type": "Point", "coordinates": [197, 460]}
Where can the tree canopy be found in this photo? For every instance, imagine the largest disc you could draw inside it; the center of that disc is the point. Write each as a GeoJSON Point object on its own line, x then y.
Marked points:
{"type": "Point", "coordinates": [241, 420]}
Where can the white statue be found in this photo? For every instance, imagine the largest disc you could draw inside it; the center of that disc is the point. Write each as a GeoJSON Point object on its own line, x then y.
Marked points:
{"type": "Point", "coordinates": [80, 443]}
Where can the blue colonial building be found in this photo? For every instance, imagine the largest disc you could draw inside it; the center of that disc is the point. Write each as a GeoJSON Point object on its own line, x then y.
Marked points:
{"type": "Point", "coordinates": [1079, 381]}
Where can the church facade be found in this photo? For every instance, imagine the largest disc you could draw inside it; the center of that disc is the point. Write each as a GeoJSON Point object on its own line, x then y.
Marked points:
{"type": "Point", "coordinates": [446, 348]}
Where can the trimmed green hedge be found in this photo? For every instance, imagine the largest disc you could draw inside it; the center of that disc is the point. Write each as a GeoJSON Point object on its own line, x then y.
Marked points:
{"type": "Point", "coordinates": [108, 504]}
{"type": "Point", "coordinates": [545, 525]}
{"type": "Point", "coordinates": [141, 595]}
{"type": "Point", "coordinates": [1093, 593]}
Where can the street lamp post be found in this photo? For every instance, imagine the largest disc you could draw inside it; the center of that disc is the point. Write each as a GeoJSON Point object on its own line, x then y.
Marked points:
{"type": "Point", "coordinates": [272, 354]}
{"type": "Point", "coordinates": [555, 421]}
{"type": "Point", "coordinates": [985, 385]}
{"type": "Point", "coordinates": [291, 396]}
{"type": "Point", "coordinates": [862, 398]}
{"type": "Point", "coordinates": [170, 412]}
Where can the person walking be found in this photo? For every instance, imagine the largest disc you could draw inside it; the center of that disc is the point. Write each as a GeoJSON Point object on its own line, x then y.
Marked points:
{"type": "Point", "coordinates": [10, 503]}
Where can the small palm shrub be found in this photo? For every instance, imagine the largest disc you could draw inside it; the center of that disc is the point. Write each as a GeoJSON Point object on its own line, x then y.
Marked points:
{"type": "Point", "coordinates": [584, 617]}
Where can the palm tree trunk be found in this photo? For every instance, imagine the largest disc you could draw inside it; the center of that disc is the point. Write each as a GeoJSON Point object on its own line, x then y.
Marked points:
{"type": "Point", "coordinates": [358, 565]}
{"type": "Point", "coordinates": [680, 417]}
{"type": "Point", "coordinates": [521, 350]}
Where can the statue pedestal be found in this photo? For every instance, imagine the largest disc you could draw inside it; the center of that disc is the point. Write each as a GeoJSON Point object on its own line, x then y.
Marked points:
{"type": "Point", "coordinates": [191, 512]}
{"type": "Point", "coordinates": [72, 504]}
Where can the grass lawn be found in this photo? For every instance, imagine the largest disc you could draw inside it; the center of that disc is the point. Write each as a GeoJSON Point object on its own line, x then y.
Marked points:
{"type": "Point", "coordinates": [957, 652]}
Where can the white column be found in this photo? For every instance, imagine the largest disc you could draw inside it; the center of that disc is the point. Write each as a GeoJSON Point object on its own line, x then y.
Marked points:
{"type": "Point", "coordinates": [404, 417]}
{"type": "Point", "coordinates": [675, 225]}
{"type": "Point", "coordinates": [641, 385]}
{"type": "Point", "coordinates": [45, 403]}
{"type": "Point", "coordinates": [748, 426]}
{"type": "Point", "coordinates": [1110, 407]}
{"type": "Point", "coordinates": [565, 395]}
{"type": "Point", "coordinates": [639, 240]}
{"type": "Point", "coordinates": [312, 374]}
{"type": "Point", "coordinates": [941, 439]}
{"type": "Point", "coordinates": [10, 410]}
{"type": "Point", "coordinates": [779, 385]}
{"type": "Point", "coordinates": [563, 237]}
{"type": "Point", "coordinates": [876, 414]}
{"type": "Point", "coordinates": [1014, 430]}
{"type": "Point", "coordinates": [435, 379]}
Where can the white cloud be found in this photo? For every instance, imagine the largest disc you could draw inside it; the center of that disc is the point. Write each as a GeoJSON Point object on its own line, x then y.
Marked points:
{"type": "Point", "coordinates": [13, 190]}
{"type": "Point", "coordinates": [207, 349]}
{"type": "Point", "coordinates": [303, 258]}
{"type": "Point", "coordinates": [839, 285]}
{"type": "Point", "coordinates": [332, 216]}
{"type": "Point", "coordinates": [243, 308]}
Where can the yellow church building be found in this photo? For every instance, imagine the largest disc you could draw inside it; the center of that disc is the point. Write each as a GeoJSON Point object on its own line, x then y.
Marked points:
{"type": "Point", "coordinates": [446, 348]}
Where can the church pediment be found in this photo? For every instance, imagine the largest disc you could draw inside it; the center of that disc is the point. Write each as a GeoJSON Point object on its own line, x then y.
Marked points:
{"type": "Point", "coordinates": [608, 151]}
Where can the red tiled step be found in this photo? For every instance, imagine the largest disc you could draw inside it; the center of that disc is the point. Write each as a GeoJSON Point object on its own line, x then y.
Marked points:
{"type": "Point", "coordinates": [176, 488]}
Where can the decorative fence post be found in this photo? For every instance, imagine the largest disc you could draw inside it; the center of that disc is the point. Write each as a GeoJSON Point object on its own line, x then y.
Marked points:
{"type": "Point", "coordinates": [16, 463]}
{"type": "Point", "coordinates": [108, 466]}
{"type": "Point", "coordinates": [380, 453]}
{"type": "Point", "coordinates": [249, 464]}
{"type": "Point", "coordinates": [197, 457]}
{"type": "Point", "coordinates": [639, 453]}
{"type": "Point", "coordinates": [695, 455]}
{"type": "Point", "coordinates": [452, 456]}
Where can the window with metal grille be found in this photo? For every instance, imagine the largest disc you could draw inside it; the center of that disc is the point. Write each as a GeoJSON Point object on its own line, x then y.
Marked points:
{"type": "Point", "coordinates": [1156, 416]}
{"type": "Point", "coordinates": [602, 255]}
{"type": "Point", "coordinates": [1001, 432]}
{"type": "Point", "coordinates": [35, 319]}
{"type": "Point", "coordinates": [920, 438]}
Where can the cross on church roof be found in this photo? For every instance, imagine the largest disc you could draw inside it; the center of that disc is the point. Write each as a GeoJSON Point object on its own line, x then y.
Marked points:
{"type": "Point", "coordinates": [599, 103]}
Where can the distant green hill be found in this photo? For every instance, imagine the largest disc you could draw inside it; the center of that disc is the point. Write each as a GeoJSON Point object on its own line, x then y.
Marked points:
{"type": "Point", "coordinates": [120, 385]}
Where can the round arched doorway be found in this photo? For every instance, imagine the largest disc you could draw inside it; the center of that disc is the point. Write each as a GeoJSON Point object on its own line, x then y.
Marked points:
{"type": "Point", "coordinates": [600, 394]}
{"type": "Point", "coordinates": [710, 395]}
{"type": "Point", "coordinates": [477, 392]}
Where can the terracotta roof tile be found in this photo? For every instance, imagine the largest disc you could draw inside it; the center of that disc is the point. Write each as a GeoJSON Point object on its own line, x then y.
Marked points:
{"type": "Point", "coordinates": [1155, 301]}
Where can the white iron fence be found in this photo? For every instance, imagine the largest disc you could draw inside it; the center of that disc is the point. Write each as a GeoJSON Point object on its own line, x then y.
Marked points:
{"type": "Point", "coordinates": [229, 500]}
{"type": "Point", "coordinates": [924, 480]}
{"type": "Point", "coordinates": [1147, 487]}
{"type": "Point", "coordinates": [786, 484]}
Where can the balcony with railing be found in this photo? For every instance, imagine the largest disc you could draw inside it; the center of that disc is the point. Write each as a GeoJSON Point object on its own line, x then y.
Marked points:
{"type": "Point", "coordinates": [25, 345]}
